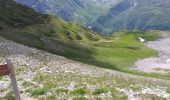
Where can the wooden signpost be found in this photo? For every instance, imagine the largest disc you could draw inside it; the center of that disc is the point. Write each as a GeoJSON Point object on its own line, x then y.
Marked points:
{"type": "Point", "coordinates": [4, 70]}
{"type": "Point", "coordinates": [7, 69]}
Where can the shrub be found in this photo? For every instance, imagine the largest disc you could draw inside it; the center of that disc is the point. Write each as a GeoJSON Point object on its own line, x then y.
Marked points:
{"type": "Point", "coordinates": [100, 91]}
{"type": "Point", "coordinates": [80, 98]}
{"type": "Point", "coordinates": [80, 91]}
{"type": "Point", "coordinates": [10, 96]}
{"type": "Point", "coordinates": [62, 91]}
{"type": "Point", "coordinates": [1, 28]}
{"type": "Point", "coordinates": [79, 37]}
{"type": "Point", "coordinates": [168, 90]}
{"type": "Point", "coordinates": [70, 38]}
{"type": "Point", "coordinates": [52, 97]}
{"type": "Point", "coordinates": [67, 33]}
{"type": "Point", "coordinates": [39, 91]}
{"type": "Point", "coordinates": [26, 83]}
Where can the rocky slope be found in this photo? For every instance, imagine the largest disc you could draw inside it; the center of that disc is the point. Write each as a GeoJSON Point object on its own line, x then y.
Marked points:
{"type": "Point", "coordinates": [42, 75]}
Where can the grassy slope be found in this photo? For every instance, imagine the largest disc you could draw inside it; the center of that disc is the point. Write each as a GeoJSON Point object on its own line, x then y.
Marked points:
{"type": "Point", "coordinates": [71, 40]}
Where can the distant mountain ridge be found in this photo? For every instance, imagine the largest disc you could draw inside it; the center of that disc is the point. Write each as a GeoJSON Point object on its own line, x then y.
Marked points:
{"type": "Point", "coordinates": [80, 11]}
{"type": "Point", "coordinates": [107, 16]}
{"type": "Point", "coordinates": [135, 15]}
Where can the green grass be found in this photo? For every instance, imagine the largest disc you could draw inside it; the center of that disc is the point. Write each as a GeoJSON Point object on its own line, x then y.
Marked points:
{"type": "Point", "coordinates": [122, 52]}
{"type": "Point", "coordinates": [76, 42]}
{"type": "Point", "coordinates": [100, 91]}
{"type": "Point", "coordinates": [10, 96]}
{"type": "Point", "coordinates": [62, 91]}
{"type": "Point", "coordinates": [38, 91]}
{"type": "Point", "coordinates": [80, 98]}
{"type": "Point", "coordinates": [168, 90]}
{"type": "Point", "coordinates": [53, 97]}
{"type": "Point", "coordinates": [26, 83]}
{"type": "Point", "coordinates": [92, 87]}
{"type": "Point", "coordinates": [80, 91]}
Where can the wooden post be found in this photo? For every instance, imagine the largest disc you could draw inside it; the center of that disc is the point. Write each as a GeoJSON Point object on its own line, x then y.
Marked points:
{"type": "Point", "coordinates": [13, 80]}
{"type": "Point", "coordinates": [4, 70]}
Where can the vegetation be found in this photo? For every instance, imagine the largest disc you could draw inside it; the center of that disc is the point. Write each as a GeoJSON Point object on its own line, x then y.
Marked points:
{"type": "Point", "coordinates": [90, 87]}
{"type": "Point", "coordinates": [99, 91]}
{"type": "Point", "coordinates": [38, 91]}
{"type": "Point", "coordinates": [80, 91]}
{"type": "Point", "coordinates": [72, 40]}
{"type": "Point", "coordinates": [75, 42]}
{"type": "Point", "coordinates": [80, 98]}
{"type": "Point", "coordinates": [10, 96]}
{"type": "Point", "coordinates": [62, 91]}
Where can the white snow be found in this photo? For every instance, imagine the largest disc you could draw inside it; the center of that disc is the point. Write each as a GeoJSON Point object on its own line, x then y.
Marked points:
{"type": "Point", "coordinates": [141, 39]}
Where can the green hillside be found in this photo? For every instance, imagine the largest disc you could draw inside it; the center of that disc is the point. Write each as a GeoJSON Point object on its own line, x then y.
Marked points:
{"type": "Point", "coordinates": [23, 24]}
{"type": "Point", "coordinates": [118, 52]}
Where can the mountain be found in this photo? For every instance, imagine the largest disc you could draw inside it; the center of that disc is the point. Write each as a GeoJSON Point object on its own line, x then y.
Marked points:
{"type": "Point", "coordinates": [135, 15]}
{"type": "Point", "coordinates": [80, 11]}
{"type": "Point", "coordinates": [107, 16]}
{"type": "Point", "coordinates": [50, 33]}
{"type": "Point", "coordinates": [43, 75]}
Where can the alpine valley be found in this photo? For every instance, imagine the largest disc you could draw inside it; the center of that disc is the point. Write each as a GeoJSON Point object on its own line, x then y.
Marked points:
{"type": "Point", "coordinates": [107, 16]}
{"type": "Point", "coordinates": [86, 49]}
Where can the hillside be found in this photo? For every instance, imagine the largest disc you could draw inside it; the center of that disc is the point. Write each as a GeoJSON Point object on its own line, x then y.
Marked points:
{"type": "Point", "coordinates": [24, 25]}
{"type": "Point", "coordinates": [107, 16]}
{"type": "Point", "coordinates": [44, 76]}
{"type": "Point", "coordinates": [73, 41]}
{"type": "Point", "coordinates": [54, 59]}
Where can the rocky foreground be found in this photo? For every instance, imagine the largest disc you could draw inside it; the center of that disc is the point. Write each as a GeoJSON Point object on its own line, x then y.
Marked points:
{"type": "Point", "coordinates": [46, 76]}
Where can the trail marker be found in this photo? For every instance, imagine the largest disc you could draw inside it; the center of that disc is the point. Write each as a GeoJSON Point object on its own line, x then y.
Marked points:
{"type": "Point", "coordinates": [4, 70]}
{"type": "Point", "coordinates": [7, 69]}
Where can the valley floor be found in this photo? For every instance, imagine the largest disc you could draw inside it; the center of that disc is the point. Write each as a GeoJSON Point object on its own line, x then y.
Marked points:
{"type": "Point", "coordinates": [46, 76]}
{"type": "Point", "coordinates": [160, 64]}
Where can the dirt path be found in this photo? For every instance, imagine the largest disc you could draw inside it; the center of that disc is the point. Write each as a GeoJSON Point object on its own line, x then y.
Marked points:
{"type": "Point", "coordinates": [160, 64]}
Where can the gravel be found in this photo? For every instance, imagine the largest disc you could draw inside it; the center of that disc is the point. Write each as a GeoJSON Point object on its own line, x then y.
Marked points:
{"type": "Point", "coordinates": [160, 64]}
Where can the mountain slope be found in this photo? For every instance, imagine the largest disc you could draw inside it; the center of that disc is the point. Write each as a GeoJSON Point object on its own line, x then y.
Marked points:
{"type": "Point", "coordinates": [26, 26]}
{"type": "Point", "coordinates": [72, 40]}
{"type": "Point", "coordinates": [107, 16]}
{"type": "Point", "coordinates": [41, 75]}
{"type": "Point", "coordinates": [81, 11]}
{"type": "Point", "coordinates": [136, 15]}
